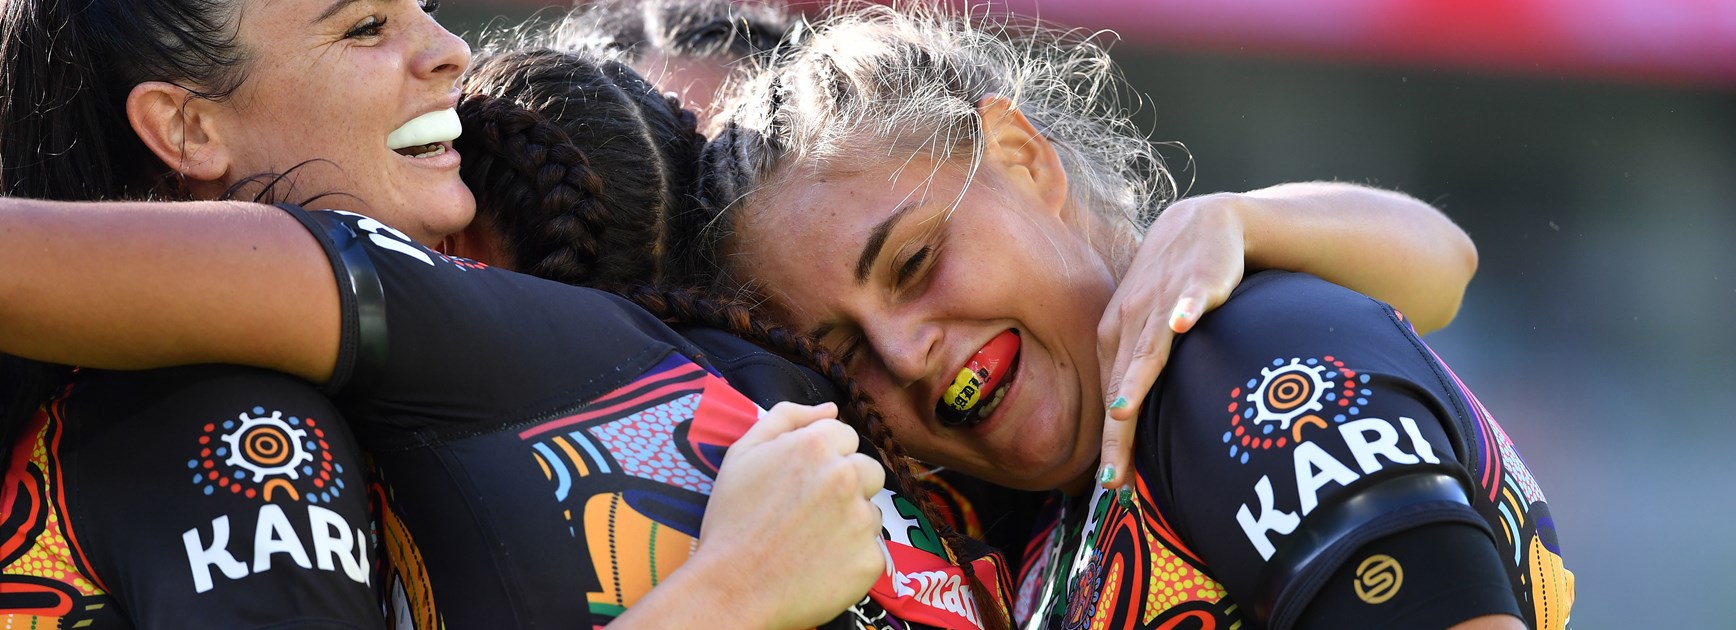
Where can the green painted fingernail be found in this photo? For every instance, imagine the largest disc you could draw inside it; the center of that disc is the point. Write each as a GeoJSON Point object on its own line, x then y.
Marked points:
{"type": "Point", "coordinates": [1120, 402]}
{"type": "Point", "coordinates": [1125, 496]}
{"type": "Point", "coordinates": [1107, 474]}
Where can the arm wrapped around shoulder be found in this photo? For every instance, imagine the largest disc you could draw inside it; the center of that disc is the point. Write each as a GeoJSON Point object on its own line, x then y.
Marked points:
{"type": "Point", "coordinates": [1301, 425]}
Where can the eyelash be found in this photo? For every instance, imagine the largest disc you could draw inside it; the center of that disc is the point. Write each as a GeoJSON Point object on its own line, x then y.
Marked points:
{"type": "Point", "coordinates": [369, 27]}
{"type": "Point", "coordinates": [373, 25]}
{"type": "Point", "coordinates": [913, 264]}
{"type": "Point", "coordinates": [847, 352]}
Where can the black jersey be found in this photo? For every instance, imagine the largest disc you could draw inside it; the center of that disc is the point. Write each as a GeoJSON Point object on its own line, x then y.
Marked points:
{"type": "Point", "coordinates": [195, 497]}
{"type": "Point", "coordinates": [1305, 460]}
{"type": "Point", "coordinates": [545, 452]}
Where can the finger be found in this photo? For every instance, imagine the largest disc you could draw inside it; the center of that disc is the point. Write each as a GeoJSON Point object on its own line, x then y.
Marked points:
{"type": "Point", "coordinates": [829, 436]}
{"type": "Point", "coordinates": [1110, 332]}
{"type": "Point", "coordinates": [1146, 360]}
{"type": "Point", "coordinates": [1117, 452]}
{"type": "Point", "coordinates": [869, 473]}
{"type": "Point", "coordinates": [783, 418]}
{"type": "Point", "coordinates": [1126, 393]}
{"type": "Point", "coordinates": [1187, 313]}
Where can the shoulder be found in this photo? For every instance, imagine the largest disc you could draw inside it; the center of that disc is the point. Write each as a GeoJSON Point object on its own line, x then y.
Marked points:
{"type": "Point", "coordinates": [762, 375]}
{"type": "Point", "coordinates": [1280, 322]}
{"type": "Point", "coordinates": [1275, 307]}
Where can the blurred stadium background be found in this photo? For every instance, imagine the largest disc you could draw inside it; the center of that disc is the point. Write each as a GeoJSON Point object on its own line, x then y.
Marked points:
{"type": "Point", "coordinates": [1589, 146]}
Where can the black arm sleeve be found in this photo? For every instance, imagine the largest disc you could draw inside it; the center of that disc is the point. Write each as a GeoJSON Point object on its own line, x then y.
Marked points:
{"type": "Point", "coordinates": [1432, 576]}
{"type": "Point", "coordinates": [427, 336]}
{"type": "Point", "coordinates": [1298, 423]}
{"type": "Point", "coordinates": [215, 497]}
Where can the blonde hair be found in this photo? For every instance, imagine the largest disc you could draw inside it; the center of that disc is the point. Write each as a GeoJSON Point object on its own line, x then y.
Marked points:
{"type": "Point", "coordinates": [904, 80]}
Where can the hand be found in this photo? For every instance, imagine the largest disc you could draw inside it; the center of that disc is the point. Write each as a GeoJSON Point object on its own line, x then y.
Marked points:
{"type": "Point", "coordinates": [1191, 258]}
{"type": "Point", "coordinates": [791, 521]}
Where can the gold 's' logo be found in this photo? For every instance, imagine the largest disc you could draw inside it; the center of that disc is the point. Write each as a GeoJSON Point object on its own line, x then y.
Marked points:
{"type": "Point", "coordinates": [1378, 579]}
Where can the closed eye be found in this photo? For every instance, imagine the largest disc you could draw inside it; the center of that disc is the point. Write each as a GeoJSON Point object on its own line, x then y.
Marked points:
{"type": "Point", "coordinates": [847, 351]}
{"type": "Point", "coordinates": [912, 265]}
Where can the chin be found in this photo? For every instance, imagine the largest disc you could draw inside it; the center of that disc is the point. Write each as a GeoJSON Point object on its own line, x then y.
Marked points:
{"type": "Point", "coordinates": [1042, 471]}
{"type": "Point", "coordinates": [445, 214]}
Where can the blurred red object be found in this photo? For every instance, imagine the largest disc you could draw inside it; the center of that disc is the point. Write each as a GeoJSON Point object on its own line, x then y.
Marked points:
{"type": "Point", "coordinates": [1648, 40]}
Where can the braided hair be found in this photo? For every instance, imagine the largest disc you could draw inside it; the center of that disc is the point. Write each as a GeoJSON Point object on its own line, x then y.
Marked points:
{"type": "Point", "coordinates": [597, 216]}
{"type": "Point", "coordinates": [544, 196]}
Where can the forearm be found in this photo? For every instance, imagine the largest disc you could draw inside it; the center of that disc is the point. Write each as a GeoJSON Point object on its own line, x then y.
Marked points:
{"type": "Point", "coordinates": [1381, 243]}
{"type": "Point", "coordinates": [140, 285]}
{"type": "Point", "coordinates": [699, 594]}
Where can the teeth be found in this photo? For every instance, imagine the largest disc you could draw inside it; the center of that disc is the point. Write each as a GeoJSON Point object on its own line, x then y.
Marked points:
{"type": "Point", "coordinates": [994, 401]}
{"type": "Point", "coordinates": [438, 149]}
{"type": "Point", "coordinates": [429, 128]}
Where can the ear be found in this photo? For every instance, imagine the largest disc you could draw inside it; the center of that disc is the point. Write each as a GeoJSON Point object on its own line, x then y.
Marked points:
{"type": "Point", "coordinates": [1021, 153]}
{"type": "Point", "coordinates": [180, 129]}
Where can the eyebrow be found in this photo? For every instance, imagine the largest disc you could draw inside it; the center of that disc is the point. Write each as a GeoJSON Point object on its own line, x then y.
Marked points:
{"type": "Point", "coordinates": [877, 241]}
{"type": "Point", "coordinates": [333, 10]}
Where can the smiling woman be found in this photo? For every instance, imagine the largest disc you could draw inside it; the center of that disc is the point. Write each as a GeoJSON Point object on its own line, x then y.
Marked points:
{"type": "Point", "coordinates": [200, 99]}
{"type": "Point", "coordinates": [357, 93]}
{"type": "Point", "coordinates": [250, 481]}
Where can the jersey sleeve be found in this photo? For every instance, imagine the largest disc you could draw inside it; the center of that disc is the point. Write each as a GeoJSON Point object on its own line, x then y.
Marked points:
{"type": "Point", "coordinates": [207, 497]}
{"type": "Point", "coordinates": [1299, 423]}
{"type": "Point", "coordinates": [434, 344]}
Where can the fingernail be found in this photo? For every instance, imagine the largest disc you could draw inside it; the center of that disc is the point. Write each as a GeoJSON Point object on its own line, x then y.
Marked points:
{"type": "Point", "coordinates": [1106, 474]}
{"type": "Point", "coordinates": [1120, 402]}
{"type": "Point", "coordinates": [1125, 497]}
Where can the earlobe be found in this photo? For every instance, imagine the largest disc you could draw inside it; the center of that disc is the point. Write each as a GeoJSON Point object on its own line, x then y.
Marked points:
{"type": "Point", "coordinates": [178, 128]}
{"type": "Point", "coordinates": [1024, 154]}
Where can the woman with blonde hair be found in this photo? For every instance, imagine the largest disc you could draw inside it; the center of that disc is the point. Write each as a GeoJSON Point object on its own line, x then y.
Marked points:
{"type": "Point", "coordinates": [953, 206]}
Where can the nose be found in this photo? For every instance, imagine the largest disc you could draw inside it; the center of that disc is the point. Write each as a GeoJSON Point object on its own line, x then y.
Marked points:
{"type": "Point", "coordinates": [443, 55]}
{"type": "Point", "coordinates": [905, 345]}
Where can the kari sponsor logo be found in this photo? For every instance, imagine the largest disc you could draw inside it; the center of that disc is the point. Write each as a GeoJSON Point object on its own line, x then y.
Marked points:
{"type": "Point", "coordinates": [285, 464]}
{"type": "Point", "coordinates": [1370, 440]}
{"type": "Point", "coordinates": [1292, 408]}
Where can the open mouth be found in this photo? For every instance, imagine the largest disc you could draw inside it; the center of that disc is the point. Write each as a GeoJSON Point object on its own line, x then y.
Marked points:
{"type": "Point", "coordinates": [427, 135]}
{"type": "Point", "coordinates": [981, 384]}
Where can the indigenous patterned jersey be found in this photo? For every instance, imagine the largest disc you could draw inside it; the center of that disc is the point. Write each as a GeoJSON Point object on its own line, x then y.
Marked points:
{"type": "Point", "coordinates": [545, 452]}
{"type": "Point", "coordinates": [1304, 458]}
{"type": "Point", "coordinates": [196, 497]}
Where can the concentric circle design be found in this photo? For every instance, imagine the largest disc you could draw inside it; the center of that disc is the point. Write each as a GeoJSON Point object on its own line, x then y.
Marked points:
{"type": "Point", "coordinates": [1288, 391]}
{"type": "Point", "coordinates": [267, 447]}
{"type": "Point", "coordinates": [272, 458]}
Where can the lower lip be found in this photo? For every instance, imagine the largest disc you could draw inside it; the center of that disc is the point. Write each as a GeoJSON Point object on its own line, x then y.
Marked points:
{"type": "Point", "coordinates": [445, 161]}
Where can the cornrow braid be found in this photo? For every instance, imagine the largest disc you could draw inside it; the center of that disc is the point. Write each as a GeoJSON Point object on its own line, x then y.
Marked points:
{"type": "Point", "coordinates": [696, 306]}
{"type": "Point", "coordinates": [561, 227]}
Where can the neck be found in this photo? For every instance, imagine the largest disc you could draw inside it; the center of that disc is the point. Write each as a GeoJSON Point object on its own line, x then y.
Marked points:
{"type": "Point", "coordinates": [1080, 485]}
